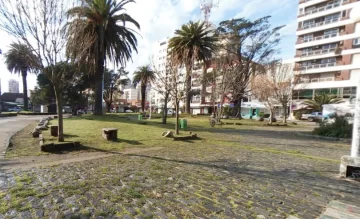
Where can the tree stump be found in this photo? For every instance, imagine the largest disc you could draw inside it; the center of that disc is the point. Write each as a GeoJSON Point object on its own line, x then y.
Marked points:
{"type": "Point", "coordinates": [54, 130]}
{"type": "Point", "coordinates": [110, 134]}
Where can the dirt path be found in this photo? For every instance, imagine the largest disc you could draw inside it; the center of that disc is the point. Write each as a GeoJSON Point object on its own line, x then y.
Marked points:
{"type": "Point", "coordinates": [25, 163]}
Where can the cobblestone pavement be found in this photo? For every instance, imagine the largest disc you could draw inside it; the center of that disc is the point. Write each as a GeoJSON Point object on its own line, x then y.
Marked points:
{"type": "Point", "coordinates": [247, 175]}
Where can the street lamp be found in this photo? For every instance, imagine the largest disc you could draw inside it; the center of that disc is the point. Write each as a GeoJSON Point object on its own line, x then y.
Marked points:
{"type": "Point", "coordinates": [112, 83]}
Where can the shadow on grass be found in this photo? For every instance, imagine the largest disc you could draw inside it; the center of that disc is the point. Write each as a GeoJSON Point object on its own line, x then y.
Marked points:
{"type": "Point", "coordinates": [70, 136]}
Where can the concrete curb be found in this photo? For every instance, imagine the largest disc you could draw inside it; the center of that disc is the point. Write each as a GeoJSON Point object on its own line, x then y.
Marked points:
{"type": "Point", "coordinates": [7, 143]}
{"type": "Point", "coordinates": [324, 137]}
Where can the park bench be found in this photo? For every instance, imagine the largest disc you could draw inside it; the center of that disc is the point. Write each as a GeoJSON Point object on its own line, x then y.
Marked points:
{"type": "Point", "coordinates": [215, 121]}
{"type": "Point", "coordinates": [110, 134]}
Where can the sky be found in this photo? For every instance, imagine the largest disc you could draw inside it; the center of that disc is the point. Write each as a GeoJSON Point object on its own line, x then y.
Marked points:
{"type": "Point", "coordinates": [160, 18]}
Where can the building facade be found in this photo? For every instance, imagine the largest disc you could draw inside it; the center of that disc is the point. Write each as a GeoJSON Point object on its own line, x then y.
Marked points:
{"type": "Point", "coordinates": [327, 56]}
{"type": "Point", "coordinates": [13, 86]}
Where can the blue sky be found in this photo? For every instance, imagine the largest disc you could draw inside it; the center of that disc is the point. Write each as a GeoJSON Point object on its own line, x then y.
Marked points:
{"type": "Point", "coordinates": [159, 19]}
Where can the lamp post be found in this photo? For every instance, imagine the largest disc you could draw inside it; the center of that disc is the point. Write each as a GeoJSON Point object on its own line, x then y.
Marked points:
{"type": "Point", "coordinates": [111, 91]}
{"type": "Point", "coordinates": [350, 165]}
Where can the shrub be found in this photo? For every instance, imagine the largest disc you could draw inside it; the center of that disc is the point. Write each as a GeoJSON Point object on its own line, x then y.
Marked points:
{"type": "Point", "coordinates": [261, 115]}
{"type": "Point", "coordinates": [339, 128]}
{"type": "Point", "coordinates": [298, 115]}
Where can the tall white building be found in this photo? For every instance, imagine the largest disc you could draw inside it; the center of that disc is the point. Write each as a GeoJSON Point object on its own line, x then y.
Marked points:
{"type": "Point", "coordinates": [327, 48]}
{"type": "Point", "coordinates": [13, 86]}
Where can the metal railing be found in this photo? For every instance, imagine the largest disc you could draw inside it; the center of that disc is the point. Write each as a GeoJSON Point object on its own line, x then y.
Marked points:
{"type": "Point", "coordinates": [318, 52]}
{"type": "Point", "coordinates": [320, 37]}
{"type": "Point", "coordinates": [321, 23]}
{"type": "Point", "coordinates": [322, 65]}
{"type": "Point", "coordinates": [323, 8]}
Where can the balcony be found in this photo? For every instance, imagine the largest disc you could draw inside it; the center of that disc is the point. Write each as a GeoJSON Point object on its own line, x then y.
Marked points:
{"type": "Point", "coordinates": [318, 52]}
{"type": "Point", "coordinates": [320, 9]}
{"type": "Point", "coordinates": [323, 65]}
{"type": "Point", "coordinates": [315, 80]}
{"type": "Point", "coordinates": [320, 23]}
{"type": "Point", "coordinates": [327, 36]}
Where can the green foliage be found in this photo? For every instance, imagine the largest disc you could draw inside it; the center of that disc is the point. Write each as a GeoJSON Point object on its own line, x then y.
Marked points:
{"type": "Point", "coordinates": [227, 111]}
{"type": "Point", "coordinates": [316, 105]}
{"type": "Point", "coordinates": [340, 128]}
{"type": "Point", "coordinates": [261, 114]}
{"type": "Point", "coordinates": [144, 75]}
{"type": "Point", "coordinates": [298, 115]}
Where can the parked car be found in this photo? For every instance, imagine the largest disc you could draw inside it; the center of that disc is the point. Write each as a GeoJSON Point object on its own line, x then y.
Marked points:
{"type": "Point", "coordinates": [15, 109]}
{"type": "Point", "coordinates": [129, 111]}
{"type": "Point", "coordinates": [315, 116]}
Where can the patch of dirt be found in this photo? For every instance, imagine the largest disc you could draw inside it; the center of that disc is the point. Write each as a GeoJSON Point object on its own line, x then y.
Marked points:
{"type": "Point", "coordinates": [25, 163]}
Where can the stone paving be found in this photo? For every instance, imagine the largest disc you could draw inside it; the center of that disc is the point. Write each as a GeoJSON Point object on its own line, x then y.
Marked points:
{"type": "Point", "coordinates": [237, 178]}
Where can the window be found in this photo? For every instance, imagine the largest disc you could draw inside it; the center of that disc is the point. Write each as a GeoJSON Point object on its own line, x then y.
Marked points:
{"type": "Point", "coordinates": [307, 50]}
{"type": "Point", "coordinates": [356, 42]}
{"type": "Point", "coordinates": [307, 23]}
{"type": "Point", "coordinates": [332, 17]}
{"type": "Point", "coordinates": [329, 46]}
{"type": "Point", "coordinates": [331, 31]}
{"type": "Point", "coordinates": [308, 36]}
{"type": "Point", "coordinates": [328, 60]}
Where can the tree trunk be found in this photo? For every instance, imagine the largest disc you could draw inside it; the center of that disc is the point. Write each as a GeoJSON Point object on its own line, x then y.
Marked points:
{"type": "Point", "coordinates": [143, 97]}
{"type": "Point", "coordinates": [99, 88]}
{"type": "Point", "coordinates": [239, 108]}
{"type": "Point", "coordinates": [108, 106]}
{"type": "Point", "coordinates": [26, 101]}
{"type": "Point", "coordinates": [188, 90]}
{"type": "Point", "coordinates": [59, 113]}
{"type": "Point", "coordinates": [285, 113]}
{"type": "Point", "coordinates": [271, 117]}
{"type": "Point", "coordinates": [111, 97]}
{"type": "Point", "coordinates": [165, 109]}
{"type": "Point", "coordinates": [203, 85]}
{"type": "Point", "coordinates": [177, 117]}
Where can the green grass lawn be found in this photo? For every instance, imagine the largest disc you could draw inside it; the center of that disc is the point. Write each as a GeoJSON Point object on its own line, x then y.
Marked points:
{"type": "Point", "coordinates": [87, 129]}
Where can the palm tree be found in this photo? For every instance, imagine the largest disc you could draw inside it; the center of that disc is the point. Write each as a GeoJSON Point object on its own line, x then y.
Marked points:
{"type": "Point", "coordinates": [98, 34]}
{"type": "Point", "coordinates": [144, 75]}
{"type": "Point", "coordinates": [321, 99]}
{"type": "Point", "coordinates": [20, 59]}
{"type": "Point", "coordinates": [194, 41]}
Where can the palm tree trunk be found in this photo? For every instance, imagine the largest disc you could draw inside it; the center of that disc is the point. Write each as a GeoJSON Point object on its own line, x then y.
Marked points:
{"type": "Point", "coordinates": [188, 90]}
{"type": "Point", "coordinates": [26, 100]}
{"type": "Point", "coordinates": [60, 114]}
{"type": "Point", "coordinates": [203, 85]}
{"type": "Point", "coordinates": [177, 117]}
{"type": "Point", "coordinates": [99, 87]}
{"type": "Point", "coordinates": [143, 97]}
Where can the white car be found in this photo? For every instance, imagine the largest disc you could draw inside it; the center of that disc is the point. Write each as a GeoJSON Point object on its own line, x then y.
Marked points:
{"type": "Point", "coordinates": [129, 111]}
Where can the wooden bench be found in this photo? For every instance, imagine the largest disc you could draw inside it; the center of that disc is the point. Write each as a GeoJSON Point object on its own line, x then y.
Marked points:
{"type": "Point", "coordinates": [110, 134]}
{"type": "Point", "coordinates": [215, 121]}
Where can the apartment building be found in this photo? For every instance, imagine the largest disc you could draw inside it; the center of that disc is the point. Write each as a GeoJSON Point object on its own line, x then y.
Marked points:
{"type": "Point", "coordinates": [327, 49]}
{"type": "Point", "coordinates": [13, 86]}
{"type": "Point", "coordinates": [200, 102]}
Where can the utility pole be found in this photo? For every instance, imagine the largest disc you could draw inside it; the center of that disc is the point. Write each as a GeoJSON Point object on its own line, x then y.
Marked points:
{"type": "Point", "coordinates": [206, 6]}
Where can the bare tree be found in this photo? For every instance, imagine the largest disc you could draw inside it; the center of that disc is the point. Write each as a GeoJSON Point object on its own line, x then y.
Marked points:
{"type": "Point", "coordinates": [249, 44]}
{"type": "Point", "coordinates": [162, 86]}
{"type": "Point", "coordinates": [262, 89]}
{"type": "Point", "coordinates": [283, 80]}
{"type": "Point", "coordinates": [39, 24]}
{"type": "Point", "coordinates": [220, 79]}
{"type": "Point", "coordinates": [175, 85]}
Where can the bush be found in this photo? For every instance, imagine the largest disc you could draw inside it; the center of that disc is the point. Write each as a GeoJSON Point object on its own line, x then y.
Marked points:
{"type": "Point", "coordinates": [340, 128]}
{"type": "Point", "coordinates": [298, 115]}
{"type": "Point", "coordinates": [261, 115]}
